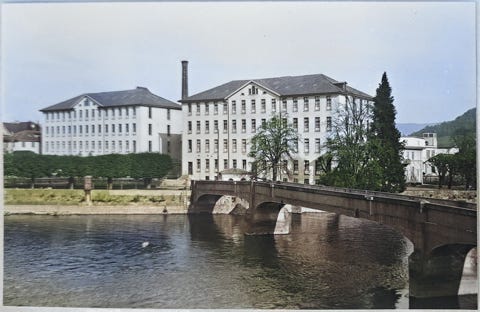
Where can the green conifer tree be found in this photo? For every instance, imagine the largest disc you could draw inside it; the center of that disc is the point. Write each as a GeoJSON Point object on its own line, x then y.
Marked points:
{"type": "Point", "coordinates": [384, 132]}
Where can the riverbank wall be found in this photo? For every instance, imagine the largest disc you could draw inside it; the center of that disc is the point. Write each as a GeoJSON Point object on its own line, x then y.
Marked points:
{"type": "Point", "coordinates": [92, 210]}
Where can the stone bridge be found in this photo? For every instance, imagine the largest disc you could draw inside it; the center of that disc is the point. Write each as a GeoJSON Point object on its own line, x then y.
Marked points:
{"type": "Point", "coordinates": [442, 232]}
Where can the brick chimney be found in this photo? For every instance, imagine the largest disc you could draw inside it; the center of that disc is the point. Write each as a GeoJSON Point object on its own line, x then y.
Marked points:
{"type": "Point", "coordinates": [184, 79]}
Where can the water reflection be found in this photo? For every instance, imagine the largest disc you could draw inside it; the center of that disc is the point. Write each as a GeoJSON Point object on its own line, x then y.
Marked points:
{"type": "Point", "coordinates": [202, 261]}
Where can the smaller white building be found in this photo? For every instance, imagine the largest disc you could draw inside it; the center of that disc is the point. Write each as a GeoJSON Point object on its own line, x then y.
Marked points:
{"type": "Point", "coordinates": [21, 136]}
{"type": "Point", "coordinates": [416, 154]}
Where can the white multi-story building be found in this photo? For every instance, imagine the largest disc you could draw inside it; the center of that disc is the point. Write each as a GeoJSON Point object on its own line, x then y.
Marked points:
{"type": "Point", "coordinates": [219, 122]}
{"type": "Point", "coordinates": [417, 152]}
{"type": "Point", "coordinates": [21, 136]}
{"type": "Point", "coordinates": [119, 122]}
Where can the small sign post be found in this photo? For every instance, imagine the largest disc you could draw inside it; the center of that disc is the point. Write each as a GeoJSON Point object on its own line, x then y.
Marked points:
{"type": "Point", "coordinates": [87, 186]}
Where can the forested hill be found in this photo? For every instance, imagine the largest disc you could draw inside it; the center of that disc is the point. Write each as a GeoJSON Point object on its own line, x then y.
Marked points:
{"type": "Point", "coordinates": [445, 130]}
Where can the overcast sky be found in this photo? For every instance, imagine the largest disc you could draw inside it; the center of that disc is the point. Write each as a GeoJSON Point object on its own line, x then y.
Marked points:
{"type": "Point", "coordinates": [52, 52]}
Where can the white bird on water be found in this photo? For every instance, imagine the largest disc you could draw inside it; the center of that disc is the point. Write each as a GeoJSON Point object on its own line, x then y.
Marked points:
{"type": "Point", "coordinates": [145, 244]}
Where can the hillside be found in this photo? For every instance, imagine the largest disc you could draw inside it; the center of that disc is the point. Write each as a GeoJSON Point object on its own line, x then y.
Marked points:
{"type": "Point", "coordinates": [407, 128]}
{"type": "Point", "coordinates": [446, 129]}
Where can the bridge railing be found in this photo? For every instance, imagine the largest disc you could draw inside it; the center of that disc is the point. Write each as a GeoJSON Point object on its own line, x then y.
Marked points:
{"type": "Point", "coordinates": [366, 193]}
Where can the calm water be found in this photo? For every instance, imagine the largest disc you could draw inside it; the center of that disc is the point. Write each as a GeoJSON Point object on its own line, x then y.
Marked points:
{"type": "Point", "coordinates": [328, 261]}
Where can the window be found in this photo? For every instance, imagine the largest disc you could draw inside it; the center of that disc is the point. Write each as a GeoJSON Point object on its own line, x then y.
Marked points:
{"type": "Point", "coordinates": [207, 146]}
{"type": "Point", "coordinates": [189, 127]}
{"type": "Point", "coordinates": [295, 105]}
{"type": "Point", "coordinates": [149, 129]}
{"type": "Point", "coordinates": [317, 103]}
{"type": "Point", "coordinates": [225, 108]}
{"type": "Point", "coordinates": [234, 164]}
{"type": "Point", "coordinates": [317, 124]}
{"type": "Point", "coordinates": [149, 112]}
{"type": "Point", "coordinates": [74, 130]}
{"type": "Point", "coordinates": [274, 105]}
{"type": "Point", "coordinates": [100, 128]}
{"type": "Point", "coordinates": [113, 145]}
{"type": "Point", "coordinates": [63, 129]}
{"type": "Point", "coordinates": [86, 129]}
{"type": "Point", "coordinates": [244, 146]}
{"type": "Point", "coordinates": [215, 126]}
{"type": "Point", "coordinates": [207, 164]}
{"type": "Point", "coordinates": [127, 144]}
{"type": "Point", "coordinates": [306, 104]}
{"type": "Point", "coordinates": [190, 167]}
{"type": "Point", "coordinates": [234, 107]}
{"type": "Point", "coordinates": [199, 165]}
{"type": "Point", "coordinates": [263, 105]}
{"type": "Point", "coordinates": [225, 145]}
{"type": "Point", "coordinates": [225, 163]}
{"type": "Point", "coordinates": [317, 145]}
{"type": "Point", "coordinates": [215, 145]}
{"type": "Point", "coordinates": [93, 145]}
{"type": "Point", "coordinates": [295, 123]}
{"type": "Point", "coordinates": [207, 109]}
{"type": "Point", "coordinates": [295, 166]}
{"type": "Point", "coordinates": [168, 130]}
{"type": "Point", "coordinates": [106, 128]}
{"type": "Point", "coordinates": [93, 113]}
{"type": "Point", "coordinates": [254, 126]}
{"type": "Point", "coordinates": [329, 123]}
{"type": "Point", "coordinates": [244, 107]}
{"type": "Point", "coordinates": [253, 106]}
{"type": "Point", "coordinates": [168, 146]}
{"type": "Point", "coordinates": [134, 125]}
{"type": "Point", "coordinates": [216, 164]}
{"type": "Point", "coordinates": [306, 166]}
{"type": "Point", "coordinates": [198, 146]}
{"type": "Point", "coordinates": [234, 145]}
{"type": "Point", "coordinates": [80, 129]}
{"type": "Point", "coordinates": [225, 126]}
{"type": "Point", "coordinates": [244, 164]}
{"type": "Point", "coordinates": [120, 113]}
{"type": "Point", "coordinates": [189, 146]}
{"type": "Point", "coordinates": [168, 113]}
{"type": "Point", "coordinates": [264, 122]}
{"type": "Point", "coordinates": [113, 113]}
{"type": "Point", "coordinates": [329, 103]}
{"type": "Point", "coordinates": [127, 128]}
{"type": "Point", "coordinates": [81, 114]}
{"type": "Point", "coordinates": [215, 109]}
{"type": "Point", "coordinates": [306, 146]}
{"type": "Point", "coordinates": [198, 126]}
{"type": "Point", "coordinates": [127, 111]}
{"type": "Point", "coordinates": [295, 145]}
{"type": "Point", "coordinates": [253, 90]}
{"type": "Point", "coordinates": [198, 109]}
{"type": "Point", "coordinates": [244, 125]}
{"type": "Point", "coordinates": [234, 126]}
{"type": "Point", "coordinates": [93, 128]}
{"type": "Point", "coordinates": [150, 146]}
{"type": "Point", "coordinates": [207, 126]}
{"type": "Point", "coordinates": [120, 128]}
{"type": "Point", "coordinates": [120, 145]}
{"type": "Point", "coordinates": [284, 105]}
{"type": "Point", "coordinates": [189, 110]}
{"type": "Point", "coordinates": [113, 128]}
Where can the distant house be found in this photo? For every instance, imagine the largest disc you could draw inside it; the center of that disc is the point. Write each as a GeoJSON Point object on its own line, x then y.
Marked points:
{"type": "Point", "coordinates": [21, 136]}
{"type": "Point", "coordinates": [416, 154]}
{"type": "Point", "coordinates": [118, 122]}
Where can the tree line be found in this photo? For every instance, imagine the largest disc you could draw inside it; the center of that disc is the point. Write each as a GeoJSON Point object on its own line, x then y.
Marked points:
{"type": "Point", "coordinates": [143, 165]}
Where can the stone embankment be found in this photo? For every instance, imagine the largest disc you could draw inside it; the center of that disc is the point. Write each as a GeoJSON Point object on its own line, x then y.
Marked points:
{"type": "Point", "coordinates": [92, 210]}
{"type": "Point", "coordinates": [460, 195]}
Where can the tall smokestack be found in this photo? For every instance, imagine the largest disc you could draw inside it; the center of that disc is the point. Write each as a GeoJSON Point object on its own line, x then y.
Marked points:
{"type": "Point", "coordinates": [184, 79]}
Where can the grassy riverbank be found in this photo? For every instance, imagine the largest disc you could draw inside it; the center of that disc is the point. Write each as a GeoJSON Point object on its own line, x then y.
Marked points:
{"type": "Point", "coordinates": [99, 197]}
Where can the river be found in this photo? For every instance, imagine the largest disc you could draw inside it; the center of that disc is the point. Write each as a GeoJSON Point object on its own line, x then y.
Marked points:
{"type": "Point", "coordinates": [205, 261]}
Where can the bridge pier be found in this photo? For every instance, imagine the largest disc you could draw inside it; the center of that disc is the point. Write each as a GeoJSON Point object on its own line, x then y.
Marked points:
{"type": "Point", "coordinates": [437, 274]}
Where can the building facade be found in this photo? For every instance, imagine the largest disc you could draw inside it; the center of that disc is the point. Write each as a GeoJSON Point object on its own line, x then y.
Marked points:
{"type": "Point", "coordinates": [21, 136]}
{"type": "Point", "coordinates": [119, 122]}
{"type": "Point", "coordinates": [416, 154]}
{"type": "Point", "coordinates": [219, 123]}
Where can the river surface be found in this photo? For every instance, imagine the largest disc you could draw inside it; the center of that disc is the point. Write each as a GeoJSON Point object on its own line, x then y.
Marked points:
{"type": "Point", "coordinates": [327, 262]}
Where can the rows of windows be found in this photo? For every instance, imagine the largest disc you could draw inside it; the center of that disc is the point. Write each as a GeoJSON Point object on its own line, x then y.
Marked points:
{"type": "Point", "coordinates": [242, 125]}
{"type": "Point", "coordinates": [92, 129]}
{"type": "Point", "coordinates": [240, 146]}
{"type": "Point", "coordinates": [91, 146]}
{"type": "Point", "coordinates": [263, 106]}
{"type": "Point", "coordinates": [294, 166]}
{"type": "Point", "coordinates": [86, 114]}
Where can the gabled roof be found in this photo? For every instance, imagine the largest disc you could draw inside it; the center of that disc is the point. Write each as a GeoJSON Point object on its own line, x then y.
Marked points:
{"type": "Point", "coordinates": [284, 86]}
{"type": "Point", "coordinates": [14, 127]}
{"type": "Point", "coordinates": [137, 97]}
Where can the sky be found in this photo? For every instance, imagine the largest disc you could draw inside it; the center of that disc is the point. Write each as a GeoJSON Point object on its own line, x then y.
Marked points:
{"type": "Point", "coordinates": [51, 52]}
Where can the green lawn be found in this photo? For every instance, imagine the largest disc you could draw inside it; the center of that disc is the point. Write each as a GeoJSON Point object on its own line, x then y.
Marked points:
{"type": "Point", "coordinates": [76, 197]}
